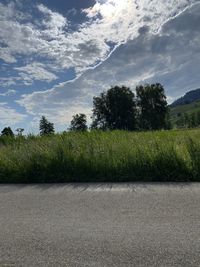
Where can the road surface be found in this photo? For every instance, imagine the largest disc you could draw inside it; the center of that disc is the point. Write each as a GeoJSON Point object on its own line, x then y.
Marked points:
{"type": "Point", "coordinates": [100, 225]}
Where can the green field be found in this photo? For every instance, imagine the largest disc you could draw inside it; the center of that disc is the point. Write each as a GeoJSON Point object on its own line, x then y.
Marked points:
{"type": "Point", "coordinates": [102, 157]}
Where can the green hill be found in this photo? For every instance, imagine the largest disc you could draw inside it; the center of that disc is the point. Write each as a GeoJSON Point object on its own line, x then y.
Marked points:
{"type": "Point", "coordinates": [187, 108]}
{"type": "Point", "coordinates": [188, 98]}
{"type": "Point", "coordinates": [185, 111]}
{"type": "Point", "coordinates": [189, 111]}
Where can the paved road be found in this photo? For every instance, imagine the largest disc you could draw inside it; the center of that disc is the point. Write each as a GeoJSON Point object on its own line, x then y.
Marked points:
{"type": "Point", "coordinates": [100, 225]}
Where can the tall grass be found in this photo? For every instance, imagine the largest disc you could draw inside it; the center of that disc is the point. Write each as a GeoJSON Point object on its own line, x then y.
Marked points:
{"type": "Point", "coordinates": [97, 156]}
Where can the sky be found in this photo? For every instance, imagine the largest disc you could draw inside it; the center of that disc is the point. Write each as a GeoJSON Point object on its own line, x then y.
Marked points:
{"type": "Point", "coordinates": [56, 55]}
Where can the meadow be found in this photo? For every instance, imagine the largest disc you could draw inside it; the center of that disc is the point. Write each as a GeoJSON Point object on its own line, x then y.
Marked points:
{"type": "Point", "coordinates": [97, 156]}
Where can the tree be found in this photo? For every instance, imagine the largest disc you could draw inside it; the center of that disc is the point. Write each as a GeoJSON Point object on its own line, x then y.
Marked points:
{"type": "Point", "coordinates": [168, 124]}
{"type": "Point", "coordinates": [19, 131]}
{"type": "Point", "coordinates": [181, 121]}
{"type": "Point", "coordinates": [152, 106]}
{"type": "Point", "coordinates": [79, 123]}
{"type": "Point", "coordinates": [114, 109]}
{"type": "Point", "coordinates": [198, 118]}
{"type": "Point", "coordinates": [193, 120]}
{"type": "Point", "coordinates": [7, 131]}
{"type": "Point", "coordinates": [186, 120]}
{"type": "Point", "coordinates": [46, 127]}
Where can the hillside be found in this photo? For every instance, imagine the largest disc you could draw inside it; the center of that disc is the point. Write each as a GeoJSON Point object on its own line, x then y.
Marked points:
{"type": "Point", "coordinates": [187, 108]}
{"type": "Point", "coordinates": [189, 97]}
{"type": "Point", "coordinates": [188, 104]}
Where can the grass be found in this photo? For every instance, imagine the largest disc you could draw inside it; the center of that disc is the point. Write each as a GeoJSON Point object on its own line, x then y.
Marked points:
{"type": "Point", "coordinates": [102, 157]}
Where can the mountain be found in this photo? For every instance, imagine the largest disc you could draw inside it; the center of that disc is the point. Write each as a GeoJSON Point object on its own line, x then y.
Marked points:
{"type": "Point", "coordinates": [185, 107]}
{"type": "Point", "coordinates": [189, 97]}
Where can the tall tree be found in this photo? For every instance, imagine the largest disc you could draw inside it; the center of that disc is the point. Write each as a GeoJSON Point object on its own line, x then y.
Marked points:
{"type": "Point", "coordinates": [186, 120]}
{"type": "Point", "coordinates": [46, 127]}
{"type": "Point", "coordinates": [19, 131]}
{"type": "Point", "coordinates": [152, 105]}
{"type": "Point", "coordinates": [198, 118]}
{"type": "Point", "coordinates": [7, 131]}
{"type": "Point", "coordinates": [193, 120]}
{"type": "Point", "coordinates": [79, 123]}
{"type": "Point", "coordinates": [180, 122]}
{"type": "Point", "coordinates": [115, 109]}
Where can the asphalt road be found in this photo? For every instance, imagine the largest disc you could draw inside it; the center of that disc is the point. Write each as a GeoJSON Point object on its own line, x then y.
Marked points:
{"type": "Point", "coordinates": [100, 225]}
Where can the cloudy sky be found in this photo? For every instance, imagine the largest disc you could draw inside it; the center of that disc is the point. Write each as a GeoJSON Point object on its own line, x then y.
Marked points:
{"type": "Point", "coordinates": [55, 55]}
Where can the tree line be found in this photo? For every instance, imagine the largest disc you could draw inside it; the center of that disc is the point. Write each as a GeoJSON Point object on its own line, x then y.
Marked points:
{"type": "Point", "coordinates": [188, 120]}
{"type": "Point", "coordinates": [7, 131]}
{"type": "Point", "coordinates": [120, 109]}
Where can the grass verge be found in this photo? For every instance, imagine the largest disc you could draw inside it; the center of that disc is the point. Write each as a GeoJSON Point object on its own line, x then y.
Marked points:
{"type": "Point", "coordinates": [97, 156]}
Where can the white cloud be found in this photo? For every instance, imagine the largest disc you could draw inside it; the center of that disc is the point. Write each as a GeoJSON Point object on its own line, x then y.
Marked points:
{"type": "Point", "coordinates": [35, 71]}
{"type": "Point", "coordinates": [53, 22]}
{"type": "Point", "coordinates": [8, 81]}
{"type": "Point", "coordinates": [6, 56]}
{"type": "Point", "coordinates": [147, 58]}
{"type": "Point", "coordinates": [110, 24]}
{"type": "Point", "coordinates": [121, 20]}
{"type": "Point", "coordinates": [9, 116]}
{"type": "Point", "coordinates": [8, 92]}
{"type": "Point", "coordinates": [117, 22]}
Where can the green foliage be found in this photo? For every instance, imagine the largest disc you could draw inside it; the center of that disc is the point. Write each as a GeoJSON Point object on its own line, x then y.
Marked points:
{"type": "Point", "coordinates": [19, 131]}
{"type": "Point", "coordinates": [193, 147]}
{"type": "Point", "coordinates": [7, 131]}
{"type": "Point", "coordinates": [180, 116]}
{"type": "Point", "coordinates": [101, 156]}
{"type": "Point", "coordinates": [187, 120]}
{"type": "Point", "coordinates": [115, 109]}
{"type": "Point", "coordinates": [192, 120]}
{"type": "Point", "coordinates": [46, 127]}
{"type": "Point", "coordinates": [79, 123]}
{"type": "Point", "coordinates": [152, 105]}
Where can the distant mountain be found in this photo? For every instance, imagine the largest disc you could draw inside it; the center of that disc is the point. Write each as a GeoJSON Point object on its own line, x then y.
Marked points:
{"type": "Point", "coordinates": [189, 97]}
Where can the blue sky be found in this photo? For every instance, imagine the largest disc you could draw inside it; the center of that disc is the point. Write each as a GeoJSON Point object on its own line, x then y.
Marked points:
{"type": "Point", "coordinates": [56, 55]}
